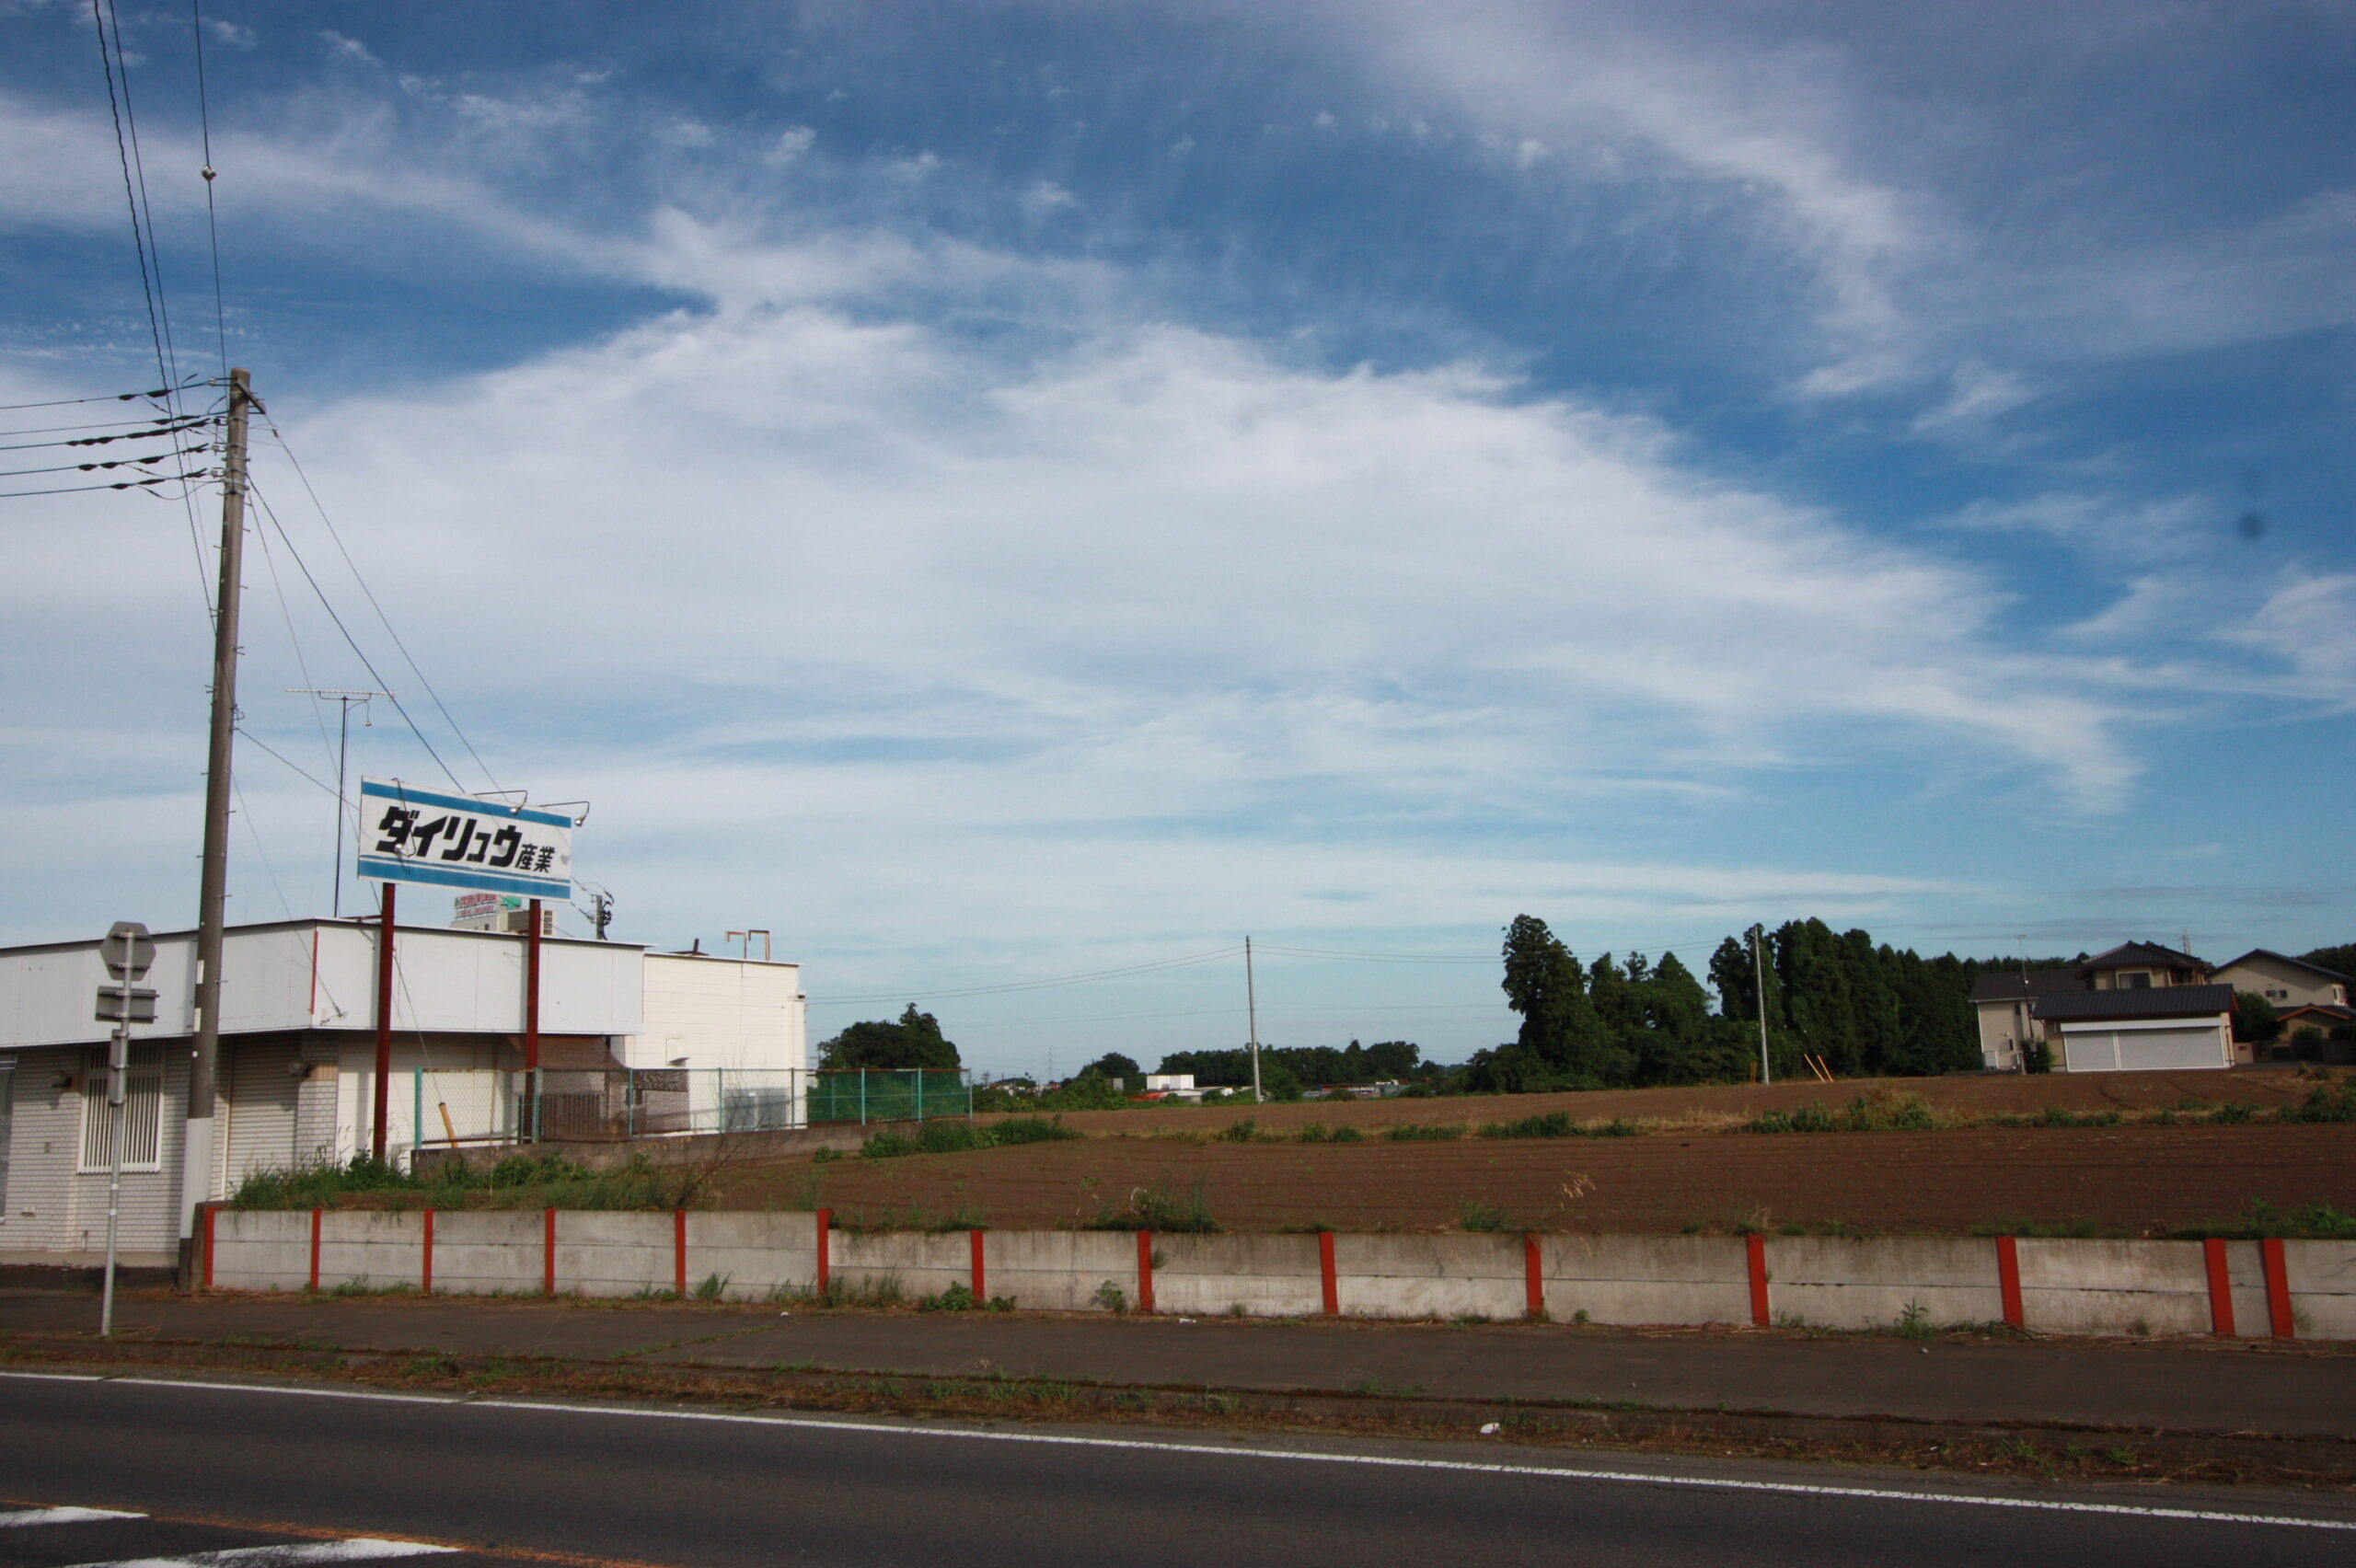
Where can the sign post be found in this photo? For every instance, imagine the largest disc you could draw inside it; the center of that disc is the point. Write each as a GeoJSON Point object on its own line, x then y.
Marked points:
{"type": "Point", "coordinates": [407, 835]}
{"type": "Point", "coordinates": [127, 951]}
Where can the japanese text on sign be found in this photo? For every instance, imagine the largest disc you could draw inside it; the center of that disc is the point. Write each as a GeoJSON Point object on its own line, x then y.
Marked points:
{"type": "Point", "coordinates": [419, 836]}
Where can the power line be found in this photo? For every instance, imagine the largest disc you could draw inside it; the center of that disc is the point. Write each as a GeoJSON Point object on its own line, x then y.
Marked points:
{"type": "Point", "coordinates": [89, 467]}
{"type": "Point", "coordinates": [117, 107]}
{"type": "Point", "coordinates": [118, 485]}
{"type": "Point", "coordinates": [164, 432]}
{"type": "Point", "coordinates": [212, 224]}
{"type": "Point", "coordinates": [350, 641]}
{"type": "Point", "coordinates": [382, 620]}
{"type": "Point", "coordinates": [108, 398]}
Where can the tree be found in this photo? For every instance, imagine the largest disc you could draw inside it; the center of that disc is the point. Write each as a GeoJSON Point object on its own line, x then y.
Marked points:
{"type": "Point", "coordinates": [2339, 960]}
{"type": "Point", "coordinates": [1113, 1065]}
{"type": "Point", "coordinates": [2255, 1019]}
{"type": "Point", "coordinates": [1562, 1043]}
{"type": "Point", "coordinates": [914, 1042]}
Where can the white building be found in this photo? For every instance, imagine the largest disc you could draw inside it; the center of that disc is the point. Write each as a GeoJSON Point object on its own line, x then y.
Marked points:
{"type": "Point", "coordinates": [710, 1036]}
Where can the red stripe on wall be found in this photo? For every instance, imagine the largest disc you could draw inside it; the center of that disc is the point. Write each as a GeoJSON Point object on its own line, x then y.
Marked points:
{"type": "Point", "coordinates": [548, 1255]}
{"type": "Point", "coordinates": [1534, 1278]}
{"type": "Point", "coordinates": [680, 1253]}
{"type": "Point", "coordinates": [2278, 1288]}
{"type": "Point", "coordinates": [211, 1213]}
{"type": "Point", "coordinates": [2008, 1281]}
{"type": "Point", "coordinates": [426, 1261]}
{"type": "Point", "coordinates": [974, 1240]}
{"type": "Point", "coordinates": [2221, 1288]}
{"type": "Point", "coordinates": [1145, 1270]}
{"type": "Point", "coordinates": [1325, 1273]}
{"type": "Point", "coordinates": [825, 1218]}
{"type": "Point", "coordinates": [315, 1248]}
{"type": "Point", "coordinates": [1756, 1247]}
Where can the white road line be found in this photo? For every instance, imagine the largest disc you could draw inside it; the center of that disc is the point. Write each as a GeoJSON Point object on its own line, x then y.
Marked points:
{"type": "Point", "coordinates": [1385, 1461]}
{"type": "Point", "coordinates": [359, 1549]}
{"type": "Point", "coordinates": [23, 1517]}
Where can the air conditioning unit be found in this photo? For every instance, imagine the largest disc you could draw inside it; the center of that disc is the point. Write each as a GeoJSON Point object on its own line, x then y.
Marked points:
{"type": "Point", "coordinates": [519, 921]}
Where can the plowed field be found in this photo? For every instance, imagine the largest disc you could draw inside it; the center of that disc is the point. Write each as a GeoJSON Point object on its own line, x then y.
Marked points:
{"type": "Point", "coordinates": [2131, 1180]}
{"type": "Point", "coordinates": [2135, 1179]}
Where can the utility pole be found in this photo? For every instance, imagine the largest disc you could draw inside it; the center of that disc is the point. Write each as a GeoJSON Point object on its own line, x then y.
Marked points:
{"type": "Point", "coordinates": [213, 896]}
{"type": "Point", "coordinates": [342, 751]}
{"type": "Point", "coordinates": [1252, 1006]}
{"type": "Point", "coordinates": [1759, 988]}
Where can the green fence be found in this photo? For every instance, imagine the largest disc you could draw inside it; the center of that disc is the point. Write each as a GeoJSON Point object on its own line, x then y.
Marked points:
{"type": "Point", "coordinates": [870, 1094]}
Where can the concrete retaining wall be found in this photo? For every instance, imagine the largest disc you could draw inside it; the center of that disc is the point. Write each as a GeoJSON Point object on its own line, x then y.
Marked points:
{"type": "Point", "coordinates": [2304, 1288]}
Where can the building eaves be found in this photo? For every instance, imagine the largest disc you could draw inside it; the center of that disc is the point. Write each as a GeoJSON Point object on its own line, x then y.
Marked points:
{"type": "Point", "coordinates": [2159, 1001]}
{"type": "Point", "coordinates": [2293, 963]}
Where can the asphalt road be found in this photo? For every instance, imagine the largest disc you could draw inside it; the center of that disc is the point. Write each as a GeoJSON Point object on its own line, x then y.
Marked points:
{"type": "Point", "coordinates": [511, 1479]}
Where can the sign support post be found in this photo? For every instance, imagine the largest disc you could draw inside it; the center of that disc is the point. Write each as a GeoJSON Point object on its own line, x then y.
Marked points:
{"type": "Point", "coordinates": [127, 951]}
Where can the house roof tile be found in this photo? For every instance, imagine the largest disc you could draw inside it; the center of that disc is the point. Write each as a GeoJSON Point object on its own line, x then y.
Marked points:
{"type": "Point", "coordinates": [2159, 1001]}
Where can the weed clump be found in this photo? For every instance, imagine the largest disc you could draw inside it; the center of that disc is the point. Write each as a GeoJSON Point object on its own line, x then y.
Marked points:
{"type": "Point", "coordinates": [1411, 1132]}
{"type": "Point", "coordinates": [1158, 1208]}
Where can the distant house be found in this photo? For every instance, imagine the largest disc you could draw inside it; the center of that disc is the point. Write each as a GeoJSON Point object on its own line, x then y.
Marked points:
{"type": "Point", "coordinates": [2286, 981]}
{"type": "Point", "coordinates": [2137, 1007]}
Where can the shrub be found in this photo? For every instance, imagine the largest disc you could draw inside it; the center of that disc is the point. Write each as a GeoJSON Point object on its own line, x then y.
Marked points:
{"type": "Point", "coordinates": [1315, 1132]}
{"type": "Point", "coordinates": [887, 1145]}
{"type": "Point", "coordinates": [1552, 1125]}
{"type": "Point", "coordinates": [2324, 1104]}
{"type": "Point", "coordinates": [1244, 1130]}
{"type": "Point", "coordinates": [1031, 1130]}
{"type": "Point", "coordinates": [1157, 1208]}
{"type": "Point", "coordinates": [1475, 1215]}
{"type": "Point", "coordinates": [1409, 1131]}
{"type": "Point", "coordinates": [1347, 1133]}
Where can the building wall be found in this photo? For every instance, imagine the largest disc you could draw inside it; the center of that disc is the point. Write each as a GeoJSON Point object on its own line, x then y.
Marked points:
{"type": "Point", "coordinates": [2004, 1026]}
{"type": "Point", "coordinates": [58, 1214]}
{"type": "Point", "coordinates": [2284, 984]}
{"type": "Point", "coordinates": [721, 1012]}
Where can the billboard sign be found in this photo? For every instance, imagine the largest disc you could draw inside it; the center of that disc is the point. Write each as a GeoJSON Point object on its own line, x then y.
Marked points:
{"type": "Point", "coordinates": [423, 835]}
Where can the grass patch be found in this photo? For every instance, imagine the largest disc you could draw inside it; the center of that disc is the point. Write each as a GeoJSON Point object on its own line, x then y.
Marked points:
{"type": "Point", "coordinates": [1158, 1208]}
{"type": "Point", "coordinates": [2315, 1222]}
{"type": "Point", "coordinates": [520, 1181]}
{"type": "Point", "coordinates": [1473, 1214]}
{"type": "Point", "coordinates": [1414, 1131]}
{"type": "Point", "coordinates": [964, 1137]}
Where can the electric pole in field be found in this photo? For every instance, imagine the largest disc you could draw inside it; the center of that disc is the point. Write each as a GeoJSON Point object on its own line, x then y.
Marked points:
{"type": "Point", "coordinates": [1252, 1008]}
{"type": "Point", "coordinates": [342, 751]}
{"type": "Point", "coordinates": [196, 1147]}
{"type": "Point", "coordinates": [1759, 987]}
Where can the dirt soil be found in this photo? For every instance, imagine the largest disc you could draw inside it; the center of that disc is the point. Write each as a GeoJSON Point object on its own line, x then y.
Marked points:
{"type": "Point", "coordinates": [2131, 1180]}
{"type": "Point", "coordinates": [1971, 1094]}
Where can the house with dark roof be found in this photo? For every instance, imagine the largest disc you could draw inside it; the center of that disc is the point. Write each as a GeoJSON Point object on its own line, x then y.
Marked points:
{"type": "Point", "coordinates": [2285, 981]}
{"type": "Point", "coordinates": [2138, 1006]}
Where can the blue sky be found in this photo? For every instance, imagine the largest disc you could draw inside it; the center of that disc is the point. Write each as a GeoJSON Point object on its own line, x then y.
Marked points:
{"type": "Point", "coordinates": [997, 491]}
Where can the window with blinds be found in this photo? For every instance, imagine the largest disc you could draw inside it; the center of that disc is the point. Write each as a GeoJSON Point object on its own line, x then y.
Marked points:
{"type": "Point", "coordinates": [142, 1112]}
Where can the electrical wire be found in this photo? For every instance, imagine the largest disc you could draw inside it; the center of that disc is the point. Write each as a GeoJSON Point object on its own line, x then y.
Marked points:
{"type": "Point", "coordinates": [350, 641]}
{"type": "Point", "coordinates": [87, 467]}
{"type": "Point", "coordinates": [108, 397]}
{"type": "Point", "coordinates": [118, 485]}
{"type": "Point", "coordinates": [286, 613]}
{"type": "Point", "coordinates": [297, 768]}
{"type": "Point", "coordinates": [357, 576]}
{"type": "Point", "coordinates": [164, 433]}
{"type": "Point", "coordinates": [212, 222]}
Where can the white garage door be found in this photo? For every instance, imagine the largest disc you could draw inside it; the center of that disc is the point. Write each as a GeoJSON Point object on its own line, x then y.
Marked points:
{"type": "Point", "coordinates": [2141, 1050]}
{"type": "Point", "coordinates": [2153, 1048]}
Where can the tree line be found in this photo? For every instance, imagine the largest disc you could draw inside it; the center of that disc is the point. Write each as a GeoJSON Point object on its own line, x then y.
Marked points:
{"type": "Point", "coordinates": [1866, 1008]}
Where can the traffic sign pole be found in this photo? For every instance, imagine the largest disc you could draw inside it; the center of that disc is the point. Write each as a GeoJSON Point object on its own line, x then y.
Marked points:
{"type": "Point", "coordinates": [127, 951]}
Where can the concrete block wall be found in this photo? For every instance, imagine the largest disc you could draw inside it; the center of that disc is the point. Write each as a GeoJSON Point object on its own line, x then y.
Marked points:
{"type": "Point", "coordinates": [1645, 1279]}
{"type": "Point", "coordinates": [2058, 1287]}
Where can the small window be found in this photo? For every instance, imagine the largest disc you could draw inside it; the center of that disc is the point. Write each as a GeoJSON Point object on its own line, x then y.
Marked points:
{"type": "Point", "coordinates": [142, 1112]}
{"type": "Point", "coordinates": [2138, 981]}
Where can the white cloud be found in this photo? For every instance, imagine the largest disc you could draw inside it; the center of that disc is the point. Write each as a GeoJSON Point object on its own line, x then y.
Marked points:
{"type": "Point", "coordinates": [344, 48]}
{"type": "Point", "coordinates": [791, 144]}
{"type": "Point", "coordinates": [2309, 623]}
{"type": "Point", "coordinates": [685, 132]}
{"type": "Point", "coordinates": [233, 35]}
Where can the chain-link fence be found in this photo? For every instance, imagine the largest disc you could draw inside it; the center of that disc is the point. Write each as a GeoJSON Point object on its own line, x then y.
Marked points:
{"type": "Point", "coordinates": [618, 1103]}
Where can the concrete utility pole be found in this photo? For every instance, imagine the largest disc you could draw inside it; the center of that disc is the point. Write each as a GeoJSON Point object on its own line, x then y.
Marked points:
{"type": "Point", "coordinates": [1252, 1006]}
{"type": "Point", "coordinates": [1759, 987]}
{"type": "Point", "coordinates": [196, 1147]}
